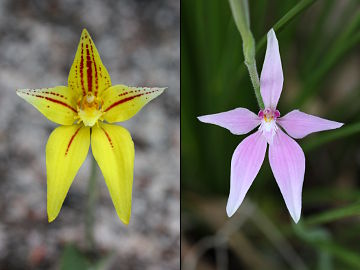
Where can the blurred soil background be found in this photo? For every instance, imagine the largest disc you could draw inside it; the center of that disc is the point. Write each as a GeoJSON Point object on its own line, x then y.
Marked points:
{"type": "Point", "coordinates": [138, 42]}
{"type": "Point", "coordinates": [321, 63]}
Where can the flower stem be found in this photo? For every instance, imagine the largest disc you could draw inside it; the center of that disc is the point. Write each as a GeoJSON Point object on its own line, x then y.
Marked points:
{"type": "Point", "coordinates": [240, 11]}
{"type": "Point", "coordinates": [90, 208]}
{"type": "Point", "coordinates": [254, 77]}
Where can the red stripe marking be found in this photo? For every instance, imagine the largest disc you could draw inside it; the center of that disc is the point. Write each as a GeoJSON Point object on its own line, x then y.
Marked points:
{"type": "Point", "coordinates": [71, 140]}
{"type": "Point", "coordinates": [128, 98]}
{"type": "Point", "coordinates": [89, 69]}
{"type": "Point", "coordinates": [96, 75]}
{"type": "Point", "coordinates": [108, 137]}
{"type": "Point", "coordinates": [82, 68]}
{"type": "Point", "coordinates": [123, 101]}
{"type": "Point", "coordinates": [61, 103]}
{"type": "Point", "coordinates": [55, 101]}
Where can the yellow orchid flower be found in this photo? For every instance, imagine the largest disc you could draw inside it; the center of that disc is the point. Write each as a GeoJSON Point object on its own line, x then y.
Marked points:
{"type": "Point", "coordinates": [89, 99]}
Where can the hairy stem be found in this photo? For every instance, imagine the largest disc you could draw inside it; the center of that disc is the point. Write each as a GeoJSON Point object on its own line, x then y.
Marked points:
{"type": "Point", "coordinates": [240, 11]}
{"type": "Point", "coordinates": [251, 66]}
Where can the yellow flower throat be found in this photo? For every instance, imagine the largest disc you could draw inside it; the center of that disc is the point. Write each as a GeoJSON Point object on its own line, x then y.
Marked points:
{"type": "Point", "coordinates": [89, 110]}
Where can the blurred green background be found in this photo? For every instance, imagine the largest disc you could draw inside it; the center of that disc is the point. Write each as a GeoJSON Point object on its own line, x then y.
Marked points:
{"type": "Point", "coordinates": [321, 63]}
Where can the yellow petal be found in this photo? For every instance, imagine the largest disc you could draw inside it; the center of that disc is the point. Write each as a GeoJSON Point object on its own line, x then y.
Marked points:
{"type": "Point", "coordinates": [122, 102]}
{"type": "Point", "coordinates": [87, 73]}
{"type": "Point", "coordinates": [66, 150]}
{"type": "Point", "coordinates": [113, 150]}
{"type": "Point", "coordinates": [58, 104]}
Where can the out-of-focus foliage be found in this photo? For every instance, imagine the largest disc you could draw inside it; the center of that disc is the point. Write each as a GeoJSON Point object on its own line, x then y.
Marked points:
{"type": "Point", "coordinates": [321, 63]}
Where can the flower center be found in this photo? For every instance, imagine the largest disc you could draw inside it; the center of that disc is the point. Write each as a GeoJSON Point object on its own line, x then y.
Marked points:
{"type": "Point", "coordinates": [89, 109]}
{"type": "Point", "coordinates": [268, 123]}
{"type": "Point", "coordinates": [269, 115]}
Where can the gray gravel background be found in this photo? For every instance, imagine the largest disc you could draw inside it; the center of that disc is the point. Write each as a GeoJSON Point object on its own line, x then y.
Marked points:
{"type": "Point", "coordinates": [139, 44]}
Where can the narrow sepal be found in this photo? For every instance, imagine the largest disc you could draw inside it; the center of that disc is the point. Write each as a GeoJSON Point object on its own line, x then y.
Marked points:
{"type": "Point", "coordinates": [87, 73]}
{"type": "Point", "coordinates": [299, 124]}
{"type": "Point", "coordinates": [113, 150]}
{"type": "Point", "coordinates": [237, 121]}
{"type": "Point", "coordinates": [66, 151]}
{"type": "Point", "coordinates": [287, 161]}
{"type": "Point", "coordinates": [58, 104]}
{"type": "Point", "coordinates": [122, 102]}
{"type": "Point", "coordinates": [272, 78]}
{"type": "Point", "coordinates": [245, 165]}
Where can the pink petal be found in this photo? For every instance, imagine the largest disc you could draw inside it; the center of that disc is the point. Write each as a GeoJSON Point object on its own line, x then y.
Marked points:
{"type": "Point", "coordinates": [271, 80]}
{"type": "Point", "coordinates": [238, 121]}
{"type": "Point", "coordinates": [298, 124]}
{"type": "Point", "coordinates": [287, 162]}
{"type": "Point", "coordinates": [245, 165]}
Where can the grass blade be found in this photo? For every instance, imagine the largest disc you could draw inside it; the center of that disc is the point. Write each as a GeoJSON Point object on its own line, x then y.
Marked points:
{"type": "Point", "coordinates": [323, 138]}
{"type": "Point", "coordinates": [287, 18]}
{"type": "Point", "coordinates": [333, 215]}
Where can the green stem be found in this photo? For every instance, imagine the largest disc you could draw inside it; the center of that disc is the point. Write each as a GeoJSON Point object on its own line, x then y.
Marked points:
{"type": "Point", "coordinates": [240, 12]}
{"type": "Point", "coordinates": [254, 77]}
{"type": "Point", "coordinates": [90, 208]}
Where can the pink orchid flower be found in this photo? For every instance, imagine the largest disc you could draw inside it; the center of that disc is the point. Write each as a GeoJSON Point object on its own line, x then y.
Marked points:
{"type": "Point", "coordinates": [287, 160]}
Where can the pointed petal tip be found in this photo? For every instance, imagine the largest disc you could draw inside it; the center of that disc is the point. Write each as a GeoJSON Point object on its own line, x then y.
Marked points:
{"type": "Point", "coordinates": [271, 34]}
{"type": "Point", "coordinates": [51, 218]}
{"type": "Point", "coordinates": [205, 119]}
{"type": "Point", "coordinates": [21, 92]}
{"type": "Point", "coordinates": [161, 89]}
{"type": "Point", "coordinates": [230, 211]}
{"type": "Point", "coordinates": [18, 92]}
{"type": "Point", "coordinates": [201, 118]}
{"type": "Point", "coordinates": [126, 222]}
{"type": "Point", "coordinates": [125, 219]}
{"type": "Point", "coordinates": [84, 31]}
{"type": "Point", "coordinates": [85, 35]}
{"type": "Point", "coordinates": [295, 213]}
{"type": "Point", "coordinates": [339, 125]}
{"type": "Point", "coordinates": [295, 217]}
